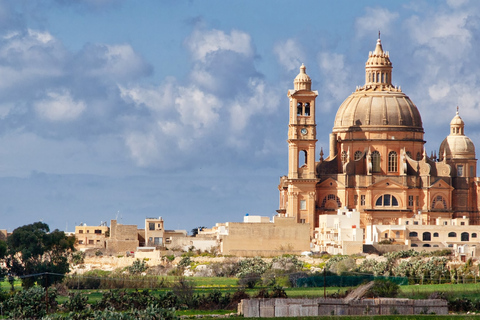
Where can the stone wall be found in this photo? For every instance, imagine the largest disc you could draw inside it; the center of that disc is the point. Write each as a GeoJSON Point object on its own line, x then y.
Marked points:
{"type": "Point", "coordinates": [266, 239]}
{"type": "Point", "coordinates": [334, 307]}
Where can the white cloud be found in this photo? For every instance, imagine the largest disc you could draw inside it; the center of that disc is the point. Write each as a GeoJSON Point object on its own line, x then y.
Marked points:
{"type": "Point", "coordinates": [59, 106]}
{"type": "Point", "coordinates": [119, 62]}
{"type": "Point", "coordinates": [197, 109]}
{"type": "Point", "coordinates": [201, 43]}
{"type": "Point", "coordinates": [290, 54]}
{"type": "Point", "coordinates": [337, 78]}
{"type": "Point", "coordinates": [260, 100]}
{"type": "Point", "coordinates": [374, 20]}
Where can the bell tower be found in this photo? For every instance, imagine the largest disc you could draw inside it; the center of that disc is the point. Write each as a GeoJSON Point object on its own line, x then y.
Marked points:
{"type": "Point", "coordinates": [302, 128]}
{"type": "Point", "coordinates": [301, 179]}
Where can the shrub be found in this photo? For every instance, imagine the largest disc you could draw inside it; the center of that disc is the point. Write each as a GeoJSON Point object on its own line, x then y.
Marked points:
{"type": "Point", "coordinates": [137, 267]}
{"type": "Point", "coordinates": [29, 303]}
{"type": "Point", "coordinates": [76, 303]}
{"type": "Point", "coordinates": [384, 289]}
{"type": "Point", "coordinates": [249, 280]}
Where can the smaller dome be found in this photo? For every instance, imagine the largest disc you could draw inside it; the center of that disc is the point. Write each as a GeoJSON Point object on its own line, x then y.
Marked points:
{"type": "Point", "coordinates": [457, 145]}
{"type": "Point", "coordinates": [302, 80]}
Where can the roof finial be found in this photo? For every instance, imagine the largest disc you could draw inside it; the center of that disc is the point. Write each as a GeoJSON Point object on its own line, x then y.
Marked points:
{"type": "Point", "coordinates": [457, 109]}
{"type": "Point", "coordinates": [378, 34]}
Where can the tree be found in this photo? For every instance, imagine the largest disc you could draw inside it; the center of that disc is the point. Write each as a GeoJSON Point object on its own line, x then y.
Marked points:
{"type": "Point", "coordinates": [196, 230]}
{"type": "Point", "coordinates": [32, 251]}
{"type": "Point", "coordinates": [3, 252]}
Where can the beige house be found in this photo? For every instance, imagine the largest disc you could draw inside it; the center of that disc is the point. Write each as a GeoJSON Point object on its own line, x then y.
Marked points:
{"type": "Point", "coordinates": [377, 164]}
{"type": "Point", "coordinates": [258, 236]}
{"type": "Point", "coordinates": [339, 233]}
{"type": "Point", "coordinates": [154, 232]}
{"type": "Point", "coordinates": [90, 237]}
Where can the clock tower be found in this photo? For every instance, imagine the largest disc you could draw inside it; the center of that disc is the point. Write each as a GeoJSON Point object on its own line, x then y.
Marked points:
{"type": "Point", "coordinates": [301, 150]}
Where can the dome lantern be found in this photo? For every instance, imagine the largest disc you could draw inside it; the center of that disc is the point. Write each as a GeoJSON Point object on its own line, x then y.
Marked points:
{"type": "Point", "coordinates": [378, 68]}
{"type": "Point", "coordinates": [302, 80]}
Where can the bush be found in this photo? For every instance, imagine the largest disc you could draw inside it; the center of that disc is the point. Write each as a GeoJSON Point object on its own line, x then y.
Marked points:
{"type": "Point", "coordinates": [137, 267]}
{"type": "Point", "coordinates": [29, 304]}
{"type": "Point", "coordinates": [76, 303]}
{"type": "Point", "coordinates": [384, 289]}
{"type": "Point", "coordinates": [249, 280]}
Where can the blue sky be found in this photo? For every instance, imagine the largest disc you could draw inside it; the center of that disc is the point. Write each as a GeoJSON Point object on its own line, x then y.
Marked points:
{"type": "Point", "coordinates": [134, 109]}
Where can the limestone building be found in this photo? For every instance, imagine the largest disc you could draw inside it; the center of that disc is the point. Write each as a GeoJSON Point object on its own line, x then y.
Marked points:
{"type": "Point", "coordinates": [377, 162]}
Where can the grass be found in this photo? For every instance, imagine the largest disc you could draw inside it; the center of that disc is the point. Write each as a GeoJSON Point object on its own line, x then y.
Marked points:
{"type": "Point", "coordinates": [468, 290]}
{"type": "Point", "coordinates": [386, 317]}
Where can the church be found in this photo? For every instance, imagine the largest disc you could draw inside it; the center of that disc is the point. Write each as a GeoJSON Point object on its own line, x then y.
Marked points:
{"type": "Point", "coordinates": [376, 163]}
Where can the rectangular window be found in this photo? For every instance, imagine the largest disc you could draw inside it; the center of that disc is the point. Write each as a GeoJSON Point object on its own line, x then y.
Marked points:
{"type": "Point", "coordinates": [80, 231]}
{"type": "Point", "coordinates": [471, 172]}
{"type": "Point", "coordinates": [410, 201]}
{"type": "Point", "coordinates": [98, 231]}
{"type": "Point", "coordinates": [151, 226]}
{"type": "Point", "coordinates": [416, 201]}
{"type": "Point", "coordinates": [355, 200]}
{"type": "Point", "coordinates": [157, 241]}
{"type": "Point", "coordinates": [362, 200]}
{"type": "Point", "coordinates": [460, 170]}
{"type": "Point", "coordinates": [302, 220]}
{"type": "Point", "coordinates": [462, 223]}
{"type": "Point", "coordinates": [303, 204]}
{"type": "Point", "coordinates": [80, 241]}
{"type": "Point", "coordinates": [406, 222]}
{"type": "Point", "coordinates": [415, 223]}
{"type": "Point", "coordinates": [90, 241]}
{"type": "Point", "coordinates": [88, 231]}
{"type": "Point", "coordinates": [445, 223]}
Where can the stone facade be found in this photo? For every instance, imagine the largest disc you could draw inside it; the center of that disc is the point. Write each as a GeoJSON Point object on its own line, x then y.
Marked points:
{"type": "Point", "coordinates": [123, 238]}
{"type": "Point", "coordinates": [339, 233]}
{"type": "Point", "coordinates": [90, 237]}
{"type": "Point", "coordinates": [260, 237]}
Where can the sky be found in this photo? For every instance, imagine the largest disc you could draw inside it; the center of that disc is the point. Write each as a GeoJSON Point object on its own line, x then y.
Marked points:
{"type": "Point", "coordinates": [124, 109]}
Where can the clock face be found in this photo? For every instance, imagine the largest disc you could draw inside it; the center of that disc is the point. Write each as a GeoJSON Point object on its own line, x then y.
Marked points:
{"type": "Point", "coordinates": [304, 131]}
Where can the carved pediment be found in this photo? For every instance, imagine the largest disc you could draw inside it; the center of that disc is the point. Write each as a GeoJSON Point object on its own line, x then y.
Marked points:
{"type": "Point", "coordinates": [386, 184]}
{"type": "Point", "coordinates": [441, 184]}
{"type": "Point", "coordinates": [330, 183]}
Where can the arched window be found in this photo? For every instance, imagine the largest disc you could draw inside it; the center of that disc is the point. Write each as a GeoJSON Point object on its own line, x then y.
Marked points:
{"type": "Point", "coordinates": [464, 236]}
{"type": "Point", "coordinates": [452, 235]}
{"type": "Point", "coordinates": [357, 155]}
{"type": "Point", "coordinates": [474, 235]}
{"type": "Point", "coordinates": [419, 156]}
{"type": "Point", "coordinates": [331, 201]}
{"type": "Point", "coordinates": [386, 200]}
{"type": "Point", "coordinates": [392, 162]}
{"type": "Point", "coordinates": [344, 156]}
{"type": "Point", "coordinates": [307, 109]}
{"type": "Point", "coordinates": [435, 235]}
{"type": "Point", "coordinates": [375, 161]}
{"type": "Point", "coordinates": [299, 109]}
{"type": "Point", "coordinates": [427, 236]}
{"type": "Point", "coordinates": [409, 154]}
{"type": "Point", "coordinates": [413, 234]}
{"type": "Point", "coordinates": [426, 245]}
{"type": "Point", "coordinates": [439, 203]}
{"type": "Point", "coordinates": [414, 245]}
{"type": "Point", "coordinates": [302, 159]}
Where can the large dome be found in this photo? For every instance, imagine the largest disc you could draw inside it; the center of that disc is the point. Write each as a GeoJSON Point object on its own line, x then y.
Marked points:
{"type": "Point", "coordinates": [378, 105]}
{"type": "Point", "coordinates": [378, 110]}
